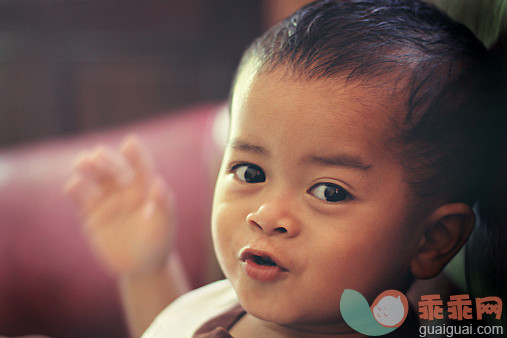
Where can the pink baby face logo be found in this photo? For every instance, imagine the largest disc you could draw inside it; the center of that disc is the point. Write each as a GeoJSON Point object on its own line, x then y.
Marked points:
{"type": "Point", "coordinates": [390, 308]}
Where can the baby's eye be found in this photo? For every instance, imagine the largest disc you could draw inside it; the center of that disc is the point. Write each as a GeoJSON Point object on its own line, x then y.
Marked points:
{"type": "Point", "coordinates": [248, 173]}
{"type": "Point", "coordinates": [329, 192]}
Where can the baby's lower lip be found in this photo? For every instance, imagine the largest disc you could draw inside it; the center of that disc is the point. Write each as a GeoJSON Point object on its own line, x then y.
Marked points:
{"type": "Point", "coordinates": [262, 273]}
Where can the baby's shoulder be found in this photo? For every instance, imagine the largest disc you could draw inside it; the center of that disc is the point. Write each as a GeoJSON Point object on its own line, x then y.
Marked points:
{"type": "Point", "coordinates": [187, 313]}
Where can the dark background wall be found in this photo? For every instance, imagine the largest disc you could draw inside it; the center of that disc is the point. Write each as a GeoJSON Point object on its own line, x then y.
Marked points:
{"type": "Point", "coordinates": [74, 65]}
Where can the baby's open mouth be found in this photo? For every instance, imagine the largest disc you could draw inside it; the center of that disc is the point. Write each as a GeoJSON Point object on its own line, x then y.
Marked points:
{"type": "Point", "coordinates": [263, 260]}
{"type": "Point", "coordinates": [260, 258]}
{"type": "Point", "coordinates": [261, 265]}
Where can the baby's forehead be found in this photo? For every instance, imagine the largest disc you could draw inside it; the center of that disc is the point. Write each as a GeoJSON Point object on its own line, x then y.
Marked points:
{"type": "Point", "coordinates": [376, 102]}
{"type": "Point", "coordinates": [362, 108]}
{"type": "Point", "coordinates": [385, 93]}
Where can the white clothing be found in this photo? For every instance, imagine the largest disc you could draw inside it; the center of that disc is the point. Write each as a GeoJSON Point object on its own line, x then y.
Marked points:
{"type": "Point", "coordinates": [189, 312]}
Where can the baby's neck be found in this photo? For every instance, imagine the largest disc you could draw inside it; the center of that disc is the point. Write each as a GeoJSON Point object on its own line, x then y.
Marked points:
{"type": "Point", "coordinates": [249, 326]}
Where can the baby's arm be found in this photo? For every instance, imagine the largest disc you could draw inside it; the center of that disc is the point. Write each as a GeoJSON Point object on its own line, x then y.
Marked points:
{"type": "Point", "coordinates": [127, 218]}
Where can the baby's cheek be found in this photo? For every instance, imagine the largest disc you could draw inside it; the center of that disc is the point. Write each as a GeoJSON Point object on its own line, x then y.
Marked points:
{"type": "Point", "coordinates": [225, 232]}
{"type": "Point", "coordinates": [219, 219]}
{"type": "Point", "coordinates": [219, 226]}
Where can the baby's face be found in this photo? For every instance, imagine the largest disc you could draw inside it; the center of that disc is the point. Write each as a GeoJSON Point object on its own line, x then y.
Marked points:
{"type": "Point", "coordinates": [309, 201]}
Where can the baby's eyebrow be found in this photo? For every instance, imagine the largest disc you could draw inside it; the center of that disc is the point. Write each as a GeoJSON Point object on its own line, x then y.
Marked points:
{"type": "Point", "coordinates": [341, 160]}
{"type": "Point", "coordinates": [247, 147]}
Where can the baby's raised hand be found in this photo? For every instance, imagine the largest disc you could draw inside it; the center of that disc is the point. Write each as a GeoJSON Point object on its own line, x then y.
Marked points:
{"type": "Point", "coordinates": [125, 205]}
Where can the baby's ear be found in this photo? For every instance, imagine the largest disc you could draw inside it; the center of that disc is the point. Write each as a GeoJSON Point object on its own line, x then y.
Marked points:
{"type": "Point", "coordinates": [448, 228]}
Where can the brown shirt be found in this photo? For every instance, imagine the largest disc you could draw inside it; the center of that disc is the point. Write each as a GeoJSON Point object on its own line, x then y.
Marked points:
{"type": "Point", "coordinates": [219, 327]}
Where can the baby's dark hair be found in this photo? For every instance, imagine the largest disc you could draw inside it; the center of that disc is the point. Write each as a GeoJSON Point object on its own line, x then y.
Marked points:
{"type": "Point", "coordinates": [448, 137]}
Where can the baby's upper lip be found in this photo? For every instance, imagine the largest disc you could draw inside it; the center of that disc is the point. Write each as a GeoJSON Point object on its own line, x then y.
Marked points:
{"type": "Point", "coordinates": [249, 252]}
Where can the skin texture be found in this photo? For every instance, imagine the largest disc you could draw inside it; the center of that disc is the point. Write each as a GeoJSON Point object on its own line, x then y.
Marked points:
{"type": "Point", "coordinates": [290, 131]}
{"type": "Point", "coordinates": [365, 242]}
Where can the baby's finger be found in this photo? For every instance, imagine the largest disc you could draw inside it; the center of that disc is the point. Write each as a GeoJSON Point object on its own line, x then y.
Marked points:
{"type": "Point", "coordinates": [86, 165]}
{"type": "Point", "coordinates": [138, 157]}
{"type": "Point", "coordinates": [112, 166]}
{"type": "Point", "coordinates": [81, 161]}
{"type": "Point", "coordinates": [103, 166]}
{"type": "Point", "coordinates": [159, 198]}
{"type": "Point", "coordinates": [82, 191]}
{"type": "Point", "coordinates": [158, 212]}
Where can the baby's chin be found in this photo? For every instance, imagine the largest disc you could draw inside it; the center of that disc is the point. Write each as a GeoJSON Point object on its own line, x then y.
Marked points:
{"type": "Point", "coordinates": [273, 315]}
{"type": "Point", "coordinates": [286, 324]}
{"type": "Point", "coordinates": [268, 310]}
{"type": "Point", "coordinates": [290, 317]}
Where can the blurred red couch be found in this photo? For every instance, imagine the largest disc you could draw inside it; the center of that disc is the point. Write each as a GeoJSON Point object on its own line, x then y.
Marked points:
{"type": "Point", "coordinates": [50, 281]}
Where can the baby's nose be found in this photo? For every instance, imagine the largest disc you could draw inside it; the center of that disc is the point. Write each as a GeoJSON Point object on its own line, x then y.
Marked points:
{"type": "Point", "coordinates": [273, 220]}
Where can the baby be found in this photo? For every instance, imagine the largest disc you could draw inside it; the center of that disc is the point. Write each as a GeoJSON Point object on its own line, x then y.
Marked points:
{"type": "Point", "coordinates": [361, 135]}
